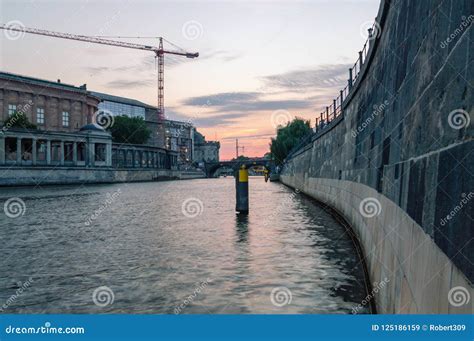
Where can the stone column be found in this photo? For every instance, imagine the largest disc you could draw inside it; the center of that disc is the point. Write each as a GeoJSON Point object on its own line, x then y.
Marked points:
{"type": "Point", "coordinates": [90, 154]}
{"type": "Point", "coordinates": [48, 152]}
{"type": "Point", "coordinates": [192, 143]}
{"type": "Point", "coordinates": [61, 154]}
{"type": "Point", "coordinates": [74, 153]}
{"type": "Point", "coordinates": [18, 150]}
{"type": "Point", "coordinates": [33, 151]}
{"type": "Point", "coordinates": [2, 150]}
{"type": "Point", "coordinates": [108, 155]}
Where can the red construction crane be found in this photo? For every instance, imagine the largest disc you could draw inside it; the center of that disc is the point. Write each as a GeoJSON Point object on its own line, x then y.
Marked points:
{"type": "Point", "coordinates": [159, 52]}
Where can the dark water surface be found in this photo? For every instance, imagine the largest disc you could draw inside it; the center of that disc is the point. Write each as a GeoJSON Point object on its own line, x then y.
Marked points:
{"type": "Point", "coordinates": [174, 247]}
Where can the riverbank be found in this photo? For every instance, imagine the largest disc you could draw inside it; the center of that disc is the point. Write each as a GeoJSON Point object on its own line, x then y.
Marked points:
{"type": "Point", "coordinates": [33, 176]}
{"type": "Point", "coordinates": [395, 163]}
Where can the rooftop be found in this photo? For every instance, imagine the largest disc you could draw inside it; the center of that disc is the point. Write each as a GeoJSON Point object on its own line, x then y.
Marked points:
{"type": "Point", "coordinates": [92, 127]}
{"type": "Point", "coordinates": [180, 123]}
{"type": "Point", "coordinates": [39, 81]}
{"type": "Point", "coordinates": [123, 100]}
{"type": "Point", "coordinates": [209, 143]}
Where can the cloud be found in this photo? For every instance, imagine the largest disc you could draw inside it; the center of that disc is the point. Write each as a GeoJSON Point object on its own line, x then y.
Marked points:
{"type": "Point", "coordinates": [219, 120]}
{"type": "Point", "coordinates": [250, 137]}
{"type": "Point", "coordinates": [244, 102]}
{"type": "Point", "coordinates": [321, 84]}
{"type": "Point", "coordinates": [264, 105]}
{"type": "Point", "coordinates": [222, 99]}
{"type": "Point", "coordinates": [224, 55]}
{"type": "Point", "coordinates": [148, 62]}
{"type": "Point", "coordinates": [207, 121]}
{"type": "Point", "coordinates": [128, 83]}
{"type": "Point", "coordinates": [170, 114]}
{"type": "Point", "coordinates": [322, 77]}
{"type": "Point", "coordinates": [174, 61]}
{"type": "Point", "coordinates": [96, 69]}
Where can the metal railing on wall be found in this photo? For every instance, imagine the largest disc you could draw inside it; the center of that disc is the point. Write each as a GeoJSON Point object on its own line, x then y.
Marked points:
{"type": "Point", "coordinates": [334, 110]}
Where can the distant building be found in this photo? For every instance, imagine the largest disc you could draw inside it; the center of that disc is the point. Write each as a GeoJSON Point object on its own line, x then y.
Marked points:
{"type": "Point", "coordinates": [179, 137]}
{"type": "Point", "coordinates": [173, 135]}
{"type": "Point", "coordinates": [119, 106]}
{"type": "Point", "coordinates": [207, 151]}
{"type": "Point", "coordinates": [64, 135]}
{"type": "Point", "coordinates": [176, 136]}
{"type": "Point", "coordinates": [62, 114]}
{"type": "Point", "coordinates": [122, 106]}
{"type": "Point", "coordinates": [52, 106]}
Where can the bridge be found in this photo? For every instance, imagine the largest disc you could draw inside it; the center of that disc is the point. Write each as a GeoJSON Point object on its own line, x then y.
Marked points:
{"type": "Point", "coordinates": [211, 167]}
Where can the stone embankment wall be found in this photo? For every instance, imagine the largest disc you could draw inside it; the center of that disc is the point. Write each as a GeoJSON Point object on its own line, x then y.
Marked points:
{"type": "Point", "coordinates": [399, 164]}
{"type": "Point", "coordinates": [33, 176]}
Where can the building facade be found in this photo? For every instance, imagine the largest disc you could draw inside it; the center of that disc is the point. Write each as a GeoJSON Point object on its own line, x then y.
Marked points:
{"type": "Point", "coordinates": [206, 151]}
{"type": "Point", "coordinates": [179, 137]}
{"type": "Point", "coordinates": [62, 114]}
{"type": "Point", "coordinates": [118, 106]}
{"type": "Point", "coordinates": [51, 106]}
{"type": "Point", "coordinates": [63, 133]}
{"type": "Point", "coordinates": [175, 136]}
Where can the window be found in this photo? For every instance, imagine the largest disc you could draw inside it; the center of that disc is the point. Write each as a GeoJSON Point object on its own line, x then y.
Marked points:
{"type": "Point", "coordinates": [40, 116]}
{"type": "Point", "coordinates": [65, 119]}
{"type": "Point", "coordinates": [119, 109]}
{"type": "Point", "coordinates": [11, 109]}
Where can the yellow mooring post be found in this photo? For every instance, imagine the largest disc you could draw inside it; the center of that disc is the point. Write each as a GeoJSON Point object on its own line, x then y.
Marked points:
{"type": "Point", "coordinates": [242, 190]}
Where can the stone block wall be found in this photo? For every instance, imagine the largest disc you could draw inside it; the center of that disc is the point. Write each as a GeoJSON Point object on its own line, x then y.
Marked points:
{"type": "Point", "coordinates": [407, 135]}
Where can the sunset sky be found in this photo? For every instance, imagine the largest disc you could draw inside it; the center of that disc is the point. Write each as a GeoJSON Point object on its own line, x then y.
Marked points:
{"type": "Point", "coordinates": [260, 62]}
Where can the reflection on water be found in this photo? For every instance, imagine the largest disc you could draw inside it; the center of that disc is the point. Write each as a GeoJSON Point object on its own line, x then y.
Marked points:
{"type": "Point", "coordinates": [242, 227]}
{"type": "Point", "coordinates": [158, 255]}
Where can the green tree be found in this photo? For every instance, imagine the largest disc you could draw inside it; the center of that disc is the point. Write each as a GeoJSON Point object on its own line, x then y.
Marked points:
{"type": "Point", "coordinates": [241, 158]}
{"type": "Point", "coordinates": [288, 137]}
{"type": "Point", "coordinates": [18, 120]}
{"type": "Point", "coordinates": [129, 130]}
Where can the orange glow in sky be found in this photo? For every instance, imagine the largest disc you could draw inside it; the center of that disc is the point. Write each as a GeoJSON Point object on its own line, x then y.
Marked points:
{"type": "Point", "coordinates": [260, 63]}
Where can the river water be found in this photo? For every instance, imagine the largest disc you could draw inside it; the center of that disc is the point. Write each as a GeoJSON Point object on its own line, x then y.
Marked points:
{"type": "Point", "coordinates": [174, 247]}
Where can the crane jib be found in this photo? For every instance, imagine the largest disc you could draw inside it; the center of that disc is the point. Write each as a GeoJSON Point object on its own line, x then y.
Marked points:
{"type": "Point", "coordinates": [97, 40]}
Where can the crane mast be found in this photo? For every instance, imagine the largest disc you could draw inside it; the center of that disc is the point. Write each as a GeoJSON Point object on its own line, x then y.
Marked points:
{"type": "Point", "coordinates": [159, 53]}
{"type": "Point", "coordinates": [161, 79]}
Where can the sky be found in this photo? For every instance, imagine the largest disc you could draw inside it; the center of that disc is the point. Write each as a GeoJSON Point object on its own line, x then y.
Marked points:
{"type": "Point", "coordinates": [261, 63]}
